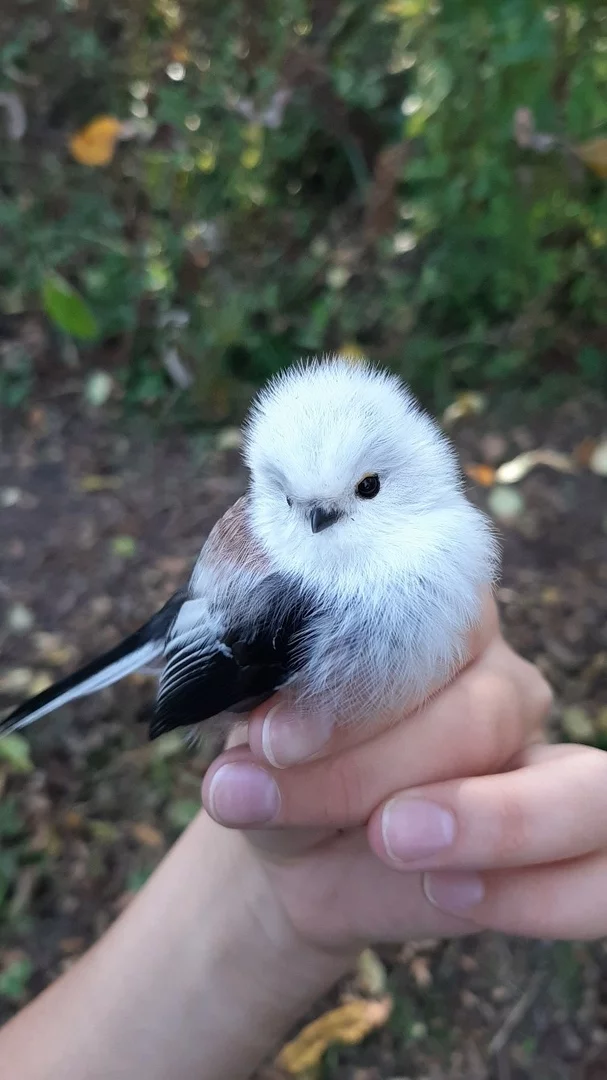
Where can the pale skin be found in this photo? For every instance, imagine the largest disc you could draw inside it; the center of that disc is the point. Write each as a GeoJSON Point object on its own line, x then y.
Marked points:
{"type": "Point", "coordinates": [247, 921]}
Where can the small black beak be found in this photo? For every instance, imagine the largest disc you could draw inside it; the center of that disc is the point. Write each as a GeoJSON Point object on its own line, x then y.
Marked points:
{"type": "Point", "coordinates": [321, 518]}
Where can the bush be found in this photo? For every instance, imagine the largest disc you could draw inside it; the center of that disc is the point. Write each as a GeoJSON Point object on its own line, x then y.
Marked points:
{"type": "Point", "coordinates": [300, 177]}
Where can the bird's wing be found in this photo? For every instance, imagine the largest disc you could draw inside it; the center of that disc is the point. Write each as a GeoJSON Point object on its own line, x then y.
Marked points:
{"type": "Point", "coordinates": [134, 652]}
{"type": "Point", "coordinates": [258, 653]}
{"type": "Point", "coordinates": [234, 652]}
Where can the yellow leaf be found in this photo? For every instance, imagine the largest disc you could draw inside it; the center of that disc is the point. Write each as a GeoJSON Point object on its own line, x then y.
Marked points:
{"type": "Point", "coordinates": [147, 835]}
{"type": "Point", "coordinates": [594, 154]}
{"type": "Point", "coordinates": [95, 143]}
{"type": "Point", "coordinates": [94, 482]}
{"type": "Point", "coordinates": [511, 472]}
{"type": "Point", "coordinates": [348, 1024]}
{"type": "Point", "coordinates": [371, 975]}
{"type": "Point", "coordinates": [481, 474]}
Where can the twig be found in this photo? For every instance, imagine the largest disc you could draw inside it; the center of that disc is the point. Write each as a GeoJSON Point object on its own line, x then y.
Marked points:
{"type": "Point", "coordinates": [516, 1014]}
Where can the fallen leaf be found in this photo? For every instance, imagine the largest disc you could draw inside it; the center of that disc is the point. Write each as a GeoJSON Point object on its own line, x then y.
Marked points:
{"type": "Point", "coordinates": [94, 482]}
{"type": "Point", "coordinates": [551, 595]}
{"type": "Point", "coordinates": [467, 404]}
{"type": "Point", "coordinates": [598, 459]}
{"type": "Point", "coordinates": [73, 820]}
{"type": "Point", "coordinates": [348, 1024]}
{"type": "Point", "coordinates": [420, 970]}
{"type": "Point", "coordinates": [594, 155]}
{"type": "Point", "coordinates": [505, 504]}
{"type": "Point", "coordinates": [511, 472]}
{"type": "Point", "coordinates": [10, 496]}
{"type": "Point", "coordinates": [577, 724]}
{"type": "Point", "coordinates": [54, 650]}
{"type": "Point", "coordinates": [481, 474]}
{"type": "Point", "coordinates": [371, 976]}
{"type": "Point", "coordinates": [19, 619]}
{"type": "Point", "coordinates": [98, 388]}
{"type": "Point", "coordinates": [95, 143]}
{"type": "Point", "coordinates": [147, 835]}
{"type": "Point", "coordinates": [229, 439]}
{"type": "Point", "coordinates": [15, 752]}
{"type": "Point", "coordinates": [124, 546]}
{"type": "Point", "coordinates": [40, 682]}
{"type": "Point", "coordinates": [16, 681]}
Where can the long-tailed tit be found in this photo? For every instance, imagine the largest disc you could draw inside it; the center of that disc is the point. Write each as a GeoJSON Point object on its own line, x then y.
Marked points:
{"type": "Point", "coordinates": [350, 572]}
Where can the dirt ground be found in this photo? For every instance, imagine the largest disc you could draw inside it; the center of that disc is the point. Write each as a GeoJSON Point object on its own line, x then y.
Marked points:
{"type": "Point", "coordinates": [100, 520]}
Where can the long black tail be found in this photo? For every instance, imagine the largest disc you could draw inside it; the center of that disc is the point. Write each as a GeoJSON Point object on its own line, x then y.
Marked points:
{"type": "Point", "coordinates": [137, 650]}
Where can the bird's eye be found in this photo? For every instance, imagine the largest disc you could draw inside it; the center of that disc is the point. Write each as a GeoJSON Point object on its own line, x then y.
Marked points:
{"type": "Point", "coordinates": [289, 500]}
{"type": "Point", "coordinates": [368, 487]}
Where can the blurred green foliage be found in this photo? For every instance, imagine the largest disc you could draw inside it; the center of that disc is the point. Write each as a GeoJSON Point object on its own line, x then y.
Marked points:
{"type": "Point", "coordinates": [300, 177]}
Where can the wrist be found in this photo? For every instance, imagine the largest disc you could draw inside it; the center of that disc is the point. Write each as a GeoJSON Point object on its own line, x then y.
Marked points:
{"type": "Point", "coordinates": [263, 974]}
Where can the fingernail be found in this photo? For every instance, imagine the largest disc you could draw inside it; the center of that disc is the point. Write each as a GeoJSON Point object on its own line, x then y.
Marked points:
{"type": "Point", "coordinates": [288, 737]}
{"type": "Point", "coordinates": [453, 892]}
{"type": "Point", "coordinates": [413, 829]}
{"type": "Point", "coordinates": [243, 794]}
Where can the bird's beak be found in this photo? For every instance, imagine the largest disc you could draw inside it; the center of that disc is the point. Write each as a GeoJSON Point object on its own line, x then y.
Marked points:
{"type": "Point", "coordinates": [321, 517]}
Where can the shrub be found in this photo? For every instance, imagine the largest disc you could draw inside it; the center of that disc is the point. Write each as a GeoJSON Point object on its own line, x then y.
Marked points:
{"type": "Point", "coordinates": [300, 177]}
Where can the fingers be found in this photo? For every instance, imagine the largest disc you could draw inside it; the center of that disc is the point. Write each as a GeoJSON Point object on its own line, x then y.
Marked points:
{"type": "Point", "coordinates": [474, 726]}
{"type": "Point", "coordinates": [562, 900]}
{"type": "Point", "coordinates": [341, 894]}
{"type": "Point", "coordinates": [554, 808]}
{"type": "Point", "coordinates": [283, 737]}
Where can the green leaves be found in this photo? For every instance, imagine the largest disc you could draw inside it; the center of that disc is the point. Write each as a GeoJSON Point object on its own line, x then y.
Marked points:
{"type": "Point", "coordinates": [14, 979]}
{"type": "Point", "coordinates": [15, 752]}
{"type": "Point", "coordinates": [67, 310]}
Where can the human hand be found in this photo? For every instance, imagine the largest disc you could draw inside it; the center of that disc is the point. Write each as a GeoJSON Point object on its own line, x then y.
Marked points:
{"type": "Point", "coordinates": [529, 848]}
{"type": "Point", "coordinates": [319, 842]}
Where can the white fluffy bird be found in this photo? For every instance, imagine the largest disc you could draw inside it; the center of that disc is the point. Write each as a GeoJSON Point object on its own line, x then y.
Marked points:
{"type": "Point", "coordinates": [351, 571]}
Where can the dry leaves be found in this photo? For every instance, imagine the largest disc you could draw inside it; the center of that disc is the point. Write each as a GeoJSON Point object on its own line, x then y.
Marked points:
{"type": "Point", "coordinates": [147, 835]}
{"type": "Point", "coordinates": [594, 155]}
{"type": "Point", "coordinates": [481, 474]}
{"type": "Point", "coordinates": [371, 975]}
{"type": "Point", "coordinates": [511, 472]}
{"type": "Point", "coordinates": [95, 143]}
{"type": "Point", "coordinates": [598, 459]}
{"type": "Point", "coordinates": [348, 1024]}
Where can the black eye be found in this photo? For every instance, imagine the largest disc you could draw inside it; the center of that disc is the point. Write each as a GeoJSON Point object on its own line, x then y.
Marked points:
{"type": "Point", "coordinates": [368, 487]}
{"type": "Point", "coordinates": [289, 500]}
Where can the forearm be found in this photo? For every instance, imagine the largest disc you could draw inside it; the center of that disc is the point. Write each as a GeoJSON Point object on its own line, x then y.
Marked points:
{"type": "Point", "coordinates": [198, 980]}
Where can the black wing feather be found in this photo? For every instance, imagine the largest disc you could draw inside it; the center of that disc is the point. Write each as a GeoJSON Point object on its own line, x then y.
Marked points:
{"type": "Point", "coordinates": [251, 663]}
{"type": "Point", "coordinates": [154, 629]}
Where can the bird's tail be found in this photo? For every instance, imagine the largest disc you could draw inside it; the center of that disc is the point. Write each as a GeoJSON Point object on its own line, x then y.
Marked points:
{"type": "Point", "coordinates": [135, 652]}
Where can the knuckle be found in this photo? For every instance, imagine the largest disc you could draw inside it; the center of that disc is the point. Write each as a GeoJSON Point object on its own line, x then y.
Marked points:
{"type": "Point", "coordinates": [493, 709]}
{"type": "Point", "coordinates": [511, 827]}
{"type": "Point", "coordinates": [344, 786]}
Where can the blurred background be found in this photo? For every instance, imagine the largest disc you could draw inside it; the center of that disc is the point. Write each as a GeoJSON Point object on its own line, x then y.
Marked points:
{"type": "Point", "coordinates": [191, 197]}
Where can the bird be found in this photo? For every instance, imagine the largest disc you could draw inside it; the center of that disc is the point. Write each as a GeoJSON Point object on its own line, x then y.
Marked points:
{"type": "Point", "coordinates": [348, 576]}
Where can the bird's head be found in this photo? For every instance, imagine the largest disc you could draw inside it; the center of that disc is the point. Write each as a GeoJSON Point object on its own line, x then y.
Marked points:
{"type": "Point", "coordinates": [344, 466]}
